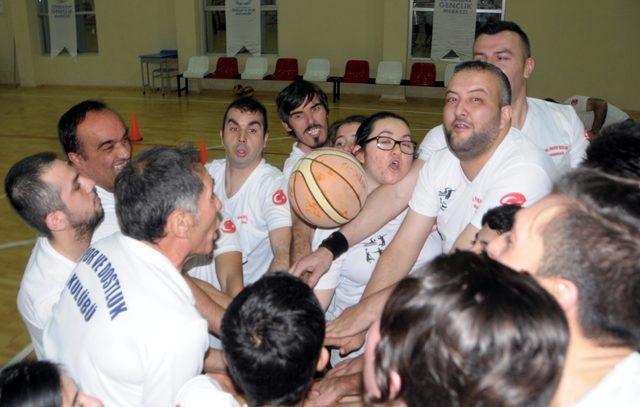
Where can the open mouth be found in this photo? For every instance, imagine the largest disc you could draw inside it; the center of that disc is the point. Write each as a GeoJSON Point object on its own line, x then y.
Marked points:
{"type": "Point", "coordinates": [394, 165]}
{"type": "Point", "coordinates": [118, 166]}
{"type": "Point", "coordinates": [241, 152]}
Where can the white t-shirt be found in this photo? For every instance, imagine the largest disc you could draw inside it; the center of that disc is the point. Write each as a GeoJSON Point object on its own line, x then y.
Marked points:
{"type": "Point", "coordinates": [42, 282]}
{"type": "Point", "coordinates": [126, 327]}
{"type": "Point", "coordinates": [350, 273]}
{"type": "Point", "coordinates": [554, 128]}
{"type": "Point", "coordinates": [579, 104]}
{"type": "Point", "coordinates": [109, 224]}
{"type": "Point", "coordinates": [259, 207]}
{"type": "Point", "coordinates": [517, 173]}
{"type": "Point", "coordinates": [204, 391]}
{"type": "Point", "coordinates": [621, 387]}
{"type": "Point", "coordinates": [290, 163]}
{"type": "Point", "coordinates": [203, 267]}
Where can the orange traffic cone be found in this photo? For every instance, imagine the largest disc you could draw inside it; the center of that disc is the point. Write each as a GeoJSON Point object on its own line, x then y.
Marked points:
{"type": "Point", "coordinates": [203, 152]}
{"type": "Point", "coordinates": [134, 130]}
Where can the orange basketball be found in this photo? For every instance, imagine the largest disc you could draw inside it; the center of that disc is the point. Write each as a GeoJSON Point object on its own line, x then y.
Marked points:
{"type": "Point", "coordinates": [327, 188]}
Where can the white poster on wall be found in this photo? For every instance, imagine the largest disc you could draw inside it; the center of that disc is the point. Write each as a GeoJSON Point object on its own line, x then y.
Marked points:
{"type": "Point", "coordinates": [62, 27]}
{"type": "Point", "coordinates": [243, 26]}
{"type": "Point", "coordinates": [454, 27]}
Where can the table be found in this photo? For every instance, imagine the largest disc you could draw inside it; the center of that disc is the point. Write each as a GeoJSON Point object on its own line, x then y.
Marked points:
{"type": "Point", "coordinates": [165, 61]}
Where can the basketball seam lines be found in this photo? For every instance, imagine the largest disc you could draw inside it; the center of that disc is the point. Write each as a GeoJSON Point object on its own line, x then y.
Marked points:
{"type": "Point", "coordinates": [295, 198]}
{"type": "Point", "coordinates": [340, 175]}
{"type": "Point", "coordinates": [312, 184]}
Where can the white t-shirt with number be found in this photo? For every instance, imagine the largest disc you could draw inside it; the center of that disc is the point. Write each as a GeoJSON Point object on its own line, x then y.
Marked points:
{"type": "Point", "coordinates": [517, 173]}
{"type": "Point", "coordinates": [259, 207]}
{"type": "Point", "coordinates": [126, 327]}
{"type": "Point", "coordinates": [44, 277]}
{"type": "Point", "coordinates": [554, 128]}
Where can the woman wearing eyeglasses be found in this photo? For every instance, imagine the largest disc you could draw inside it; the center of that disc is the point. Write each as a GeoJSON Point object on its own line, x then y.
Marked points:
{"type": "Point", "coordinates": [386, 151]}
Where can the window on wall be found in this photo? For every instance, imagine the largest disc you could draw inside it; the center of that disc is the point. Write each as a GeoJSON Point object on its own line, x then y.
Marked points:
{"type": "Point", "coordinates": [422, 23]}
{"type": "Point", "coordinates": [215, 26]}
{"type": "Point", "coordinates": [85, 26]}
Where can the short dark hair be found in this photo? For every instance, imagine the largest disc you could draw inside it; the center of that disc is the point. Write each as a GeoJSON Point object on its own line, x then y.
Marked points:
{"type": "Point", "coordinates": [500, 218]}
{"type": "Point", "coordinates": [295, 95]}
{"type": "Point", "coordinates": [69, 121]}
{"type": "Point", "coordinates": [152, 185]}
{"type": "Point", "coordinates": [495, 27]}
{"type": "Point", "coordinates": [469, 331]}
{"type": "Point", "coordinates": [616, 150]}
{"type": "Point", "coordinates": [505, 87]}
{"type": "Point", "coordinates": [32, 383]}
{"type": "Point", "coordinates": [366, 127]}
{"type": "Point", "coordinates": [248, 105]}
{"type": "Point", "coordinates": [29, 195]}
{"type": "Point", "coordinates": [272, 335]}
{"type": "Point", "coordinates": [594, 242]}
{"type": "Point", "coordinates": [333, 129]}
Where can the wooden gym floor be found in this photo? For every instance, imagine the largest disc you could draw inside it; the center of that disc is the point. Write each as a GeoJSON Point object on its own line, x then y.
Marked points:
{"type": "Point", "coordinates": [28, 120]}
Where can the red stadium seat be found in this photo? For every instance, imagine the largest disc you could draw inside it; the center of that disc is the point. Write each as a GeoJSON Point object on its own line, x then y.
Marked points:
{"type": "Point", "coordinates": [356, 71]}
{"type": "Point", "coordinates": [226, 68]}
{"type": "Point", "coordinates": [286, 69]}
{"type": "Point", "coordinates": [423, 74]}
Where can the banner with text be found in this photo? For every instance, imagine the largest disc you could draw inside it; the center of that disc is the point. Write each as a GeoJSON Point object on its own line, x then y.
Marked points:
{"type": "Point", "coordinates": [243, 26]}
{"type": "Point", "coordinates": [454, 27]}
{"type": "Point", "coordinates": [62, 27]}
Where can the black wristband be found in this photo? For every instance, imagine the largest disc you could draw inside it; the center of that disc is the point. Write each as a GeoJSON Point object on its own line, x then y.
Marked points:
{"type": "Point", "coordinates": [336, 243]}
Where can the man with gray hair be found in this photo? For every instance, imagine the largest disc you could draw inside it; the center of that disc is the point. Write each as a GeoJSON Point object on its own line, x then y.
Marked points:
{"type": "Point", "coordinates": [126, 327]}
{"type": "Point", "coordinates": [63, 207]}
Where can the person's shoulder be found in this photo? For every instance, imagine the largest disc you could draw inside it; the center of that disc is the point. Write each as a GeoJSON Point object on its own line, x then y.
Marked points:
{"type": "Point", "coordinates": [215, 166]}
{"type": "Point", "coordinates": [204, 390]}
{"type": "Point", "coordinates": [520, 151]}
{"type": "Point", "coordinates": [543, 108]}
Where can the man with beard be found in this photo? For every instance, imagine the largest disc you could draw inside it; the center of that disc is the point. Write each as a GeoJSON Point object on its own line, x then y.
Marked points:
{"type": "Point", "coordinates": [63, 207]}
{"type": "Point", "coordinates": [303, 109]}
{"type": "Point", "coordinates": [487, 163]}
{"type": "Point", "coordinates": [581, 242]}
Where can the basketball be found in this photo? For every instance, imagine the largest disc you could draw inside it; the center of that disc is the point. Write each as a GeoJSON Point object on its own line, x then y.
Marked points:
{"type": "Point", "coordinates": [327, 188]}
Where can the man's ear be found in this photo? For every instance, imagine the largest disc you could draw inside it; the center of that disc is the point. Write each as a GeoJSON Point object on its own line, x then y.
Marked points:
{"type": "Point", "coordinates": [179, 223]}
{"type": "Point", "coordinates": [286, 126]}
{"type": "Point", "coordinates": [563, 290]}
{"type": "Point", "coordinates": [506, 112]}
{"type": "Point", "coordinates": [76, 159]}
{"type": "Point", "coordinates": [221, 136]}
{"type": "Point", "coordinates": [56, 221]}
{"type": "Point", "coordinates": [266, 138]}
{"type": "Point", "coordinates": [529, 66]}
{"type": "Point", "coordinates": [323, 360]}
{"type": "Point", "coordinates": [395, 385]}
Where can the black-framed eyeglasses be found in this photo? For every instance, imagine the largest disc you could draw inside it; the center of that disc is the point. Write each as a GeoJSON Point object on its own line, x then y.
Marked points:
{"type": "Point", "coordinates": [387, 144]}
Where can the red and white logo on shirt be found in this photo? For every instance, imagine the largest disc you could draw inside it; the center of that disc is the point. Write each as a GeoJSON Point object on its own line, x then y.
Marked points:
{"type": "Point", "coordinates": [228, 226]}
{"type": "Point", "coordinates": [574, 102]}
{"type": "Point", "coordinates": [279, 198]}
{"type": "Point", "coordinates": [513, 198]}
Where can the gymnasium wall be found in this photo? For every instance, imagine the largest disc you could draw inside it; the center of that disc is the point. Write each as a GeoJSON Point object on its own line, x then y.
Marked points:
{"type": "Point", "coordinates": [6, 46]}
{"type": "Point", "coordinates": [581, 47]}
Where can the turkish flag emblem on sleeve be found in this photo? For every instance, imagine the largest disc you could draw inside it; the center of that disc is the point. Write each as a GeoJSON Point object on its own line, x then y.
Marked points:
{"type": "Point", "coordinates": [228, 226]}
{"type": "Point", "coordinates": [279, 198]}
{"type": "Point", "coordinates": [513, 198]}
